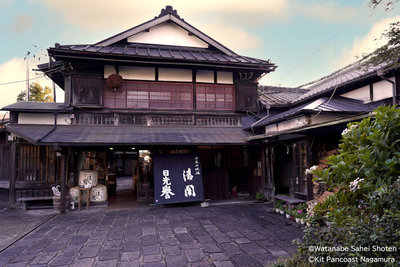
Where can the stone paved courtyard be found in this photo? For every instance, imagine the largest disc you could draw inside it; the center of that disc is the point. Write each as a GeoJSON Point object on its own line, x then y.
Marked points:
{"type": "Point", "coordinates": [221, 235]}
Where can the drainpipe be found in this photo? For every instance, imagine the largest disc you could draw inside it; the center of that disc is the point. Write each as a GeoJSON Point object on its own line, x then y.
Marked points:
{"type": "Point", "coordinates": [52, 130]}
{"type": "Point", "coordinates": [380, 73]}
{"type": "Point", "coordinates": [252, 126]}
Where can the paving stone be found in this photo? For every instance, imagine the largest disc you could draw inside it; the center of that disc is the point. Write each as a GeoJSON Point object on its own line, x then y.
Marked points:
{"type": "Point", "coordinates": [265, 243]}
{"type": "Point", "coordinates": [194, 255]}
{"type": "Point", "coordinates": [255, 236]}
{"type": "Point", "coordinates": [63, 259]}
{"type": "Point", "coordinates": [223, 264]}
{"type": "Point", "coordinates": [242, 240]}
{"type": "Point", "coordinates": [152, 249]}
{"type": "Point", "coordinates": [180, 230]}
{"type": "Point", "coordinates": [252, 248]}
{"type": "Point", "coordinates": [148, 231]}
{"type": "Point", "coordinates": [210, 247]}
{"type": "Point", "coordinates": [184, 237]}
{"type": "Point", "coordinates": [277, 252]}
{"type": "Point", "coordinates": [72, 248]}
{"type": "Point", "coordinates": [43, 258]}
{"type": "Point", "coordinates": [152, 258]}
{"type": "Point", "coordinates": [129, 246]}
{"type": "Point", "coordinates": [134, 263]}
{"type": "Point", "coordinates": [153, 264]}
{"type": "Point", "coordinates": [169, 241]}
{"type": "Point", "coordinates": [17, 264]}
{"type": "Point", "coordinates": [231, 248]}
{"type": "Point", "coordinates": [245, 260]}
{"type": "Point", "coordinates": [130, 256]}
{"type": "Point", "coordinates": [189, 245]}
{"type": "Point", "coordinates": [202, 264]}
{"type": "Point", "coordinates": [89, 252]}
{"type": "Point", "coordinates": [265, 258]}
{"type": "Point", "coordinates": [234, 234]}
{"type": "Point", "coordinates": [199, 232]}
{"type": "Point", "coordinates": [108, 254]}
{"type": "Point", "coordinates": [218, 257]}
{"type": "Point", "coordinates": [210, 228]}
{"type": "Point", "coordinates": [176, 261]}
{"type": "Point", "coordinates": [150, 240]}
{"type": "Point", "coordinates": [24, 256]}
{"type": "Point", "coordinates": [112, 244]}
{"type": "Point", "coordinates": [79, 239]}
{"type": "Point", "coordinates": [166, 234]}
{"type": "Point", "coordinates": [83, 262]}
{"type": "Point", "coordinates": [205, 239]}
{"type": "Point", "coordinates": [172, 250]}
{"type": "Point", "coordinates": [107, 263]}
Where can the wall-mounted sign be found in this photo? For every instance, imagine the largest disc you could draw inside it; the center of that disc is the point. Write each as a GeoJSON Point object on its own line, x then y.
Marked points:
{"type": "Point", "coordinates": [177, 178]}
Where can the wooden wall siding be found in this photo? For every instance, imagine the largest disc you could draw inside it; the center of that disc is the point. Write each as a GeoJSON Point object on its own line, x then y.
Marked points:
{"type": "Point", "coordinates": [150, 95]}
{"type": "Point", "coordinates": [215, 97]}
{"type": "Point", "coordinates": [34, 192]}
{"type": "Point", "coordinates": [124, 119]}
{"type": "Point", "coordinates": [5, 162]}
{"type": "Point", "coordinates": [35, 163]}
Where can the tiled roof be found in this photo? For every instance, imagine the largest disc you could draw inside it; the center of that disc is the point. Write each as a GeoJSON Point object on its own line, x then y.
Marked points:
{"type": "Point", "coordinates": [324, 104]}
{"type": "Point", "coordinates": [276, 96]}
{"type": "Point", "coordinates": [35, 106]}
{"type": "Point", "coordinates": [351, 73]}
{"type": "Point", "coordinates": [163, 52]}
{"type": "Point", "coordinates": [111, 135]}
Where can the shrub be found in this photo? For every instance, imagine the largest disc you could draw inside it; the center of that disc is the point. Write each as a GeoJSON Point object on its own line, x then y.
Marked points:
{"type": "Point", "coordinates": [365, 212]}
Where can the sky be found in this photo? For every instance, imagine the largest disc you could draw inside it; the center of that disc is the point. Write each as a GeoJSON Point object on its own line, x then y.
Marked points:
{"type": "Point", "coordinates": [306, 39]}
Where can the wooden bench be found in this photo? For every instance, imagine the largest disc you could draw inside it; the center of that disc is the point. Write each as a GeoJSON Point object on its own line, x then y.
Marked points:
{"type": "Point", "coordinates": [290, 200]}
{"type": "Point", "coordinates": [25, 200]}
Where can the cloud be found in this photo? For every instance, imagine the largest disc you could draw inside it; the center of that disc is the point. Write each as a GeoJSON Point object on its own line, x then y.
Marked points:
{"type": "Point", "coordinates": [13, 80]}
{"type": "Point", "coordinates": [327, 11]}
{"type": "Point", "coordinates": [21, 24]}
{"type": "Point", "coordinates": [366, 44]}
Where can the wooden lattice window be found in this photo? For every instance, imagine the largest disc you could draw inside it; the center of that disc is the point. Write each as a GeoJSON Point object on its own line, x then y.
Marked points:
{"type": "Point", "coordinates": [215, 97]}
{"type": "Point", "coordinates": [151, 95]}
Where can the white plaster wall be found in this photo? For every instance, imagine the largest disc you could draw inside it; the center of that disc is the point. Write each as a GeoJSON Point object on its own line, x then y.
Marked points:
{"type": "Point", "coordinates": [44, 119]}
{"type": "Point", "coordinates": [137, 73]}
{"type": "Point", "coordinates": [224, 77]}
{"type": "Point", "coordinates": [359, 94]}
{"type": "Point", "coordinates": [167, 34]}
{"type": "Point", "coordinates": [321, 118]}
{"type": "Point", "coordinates": [382, 90]}
{"type": "Point", "coordinates": [292, 123]}
{"type": "Point", "coordinates": [273, 128]}
{"type": "Point", "coordinates": [177, 75]}
{"type": "Point", "coordinates": [205, 76]}
{"type": "Point", "coordinates": [108, 70]}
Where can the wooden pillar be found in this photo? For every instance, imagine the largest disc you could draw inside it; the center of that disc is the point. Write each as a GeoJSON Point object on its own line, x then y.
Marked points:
{"type": "Point", "coordinates": [63, 179]}
{"type": "Point", "coordinates": [13, 174]}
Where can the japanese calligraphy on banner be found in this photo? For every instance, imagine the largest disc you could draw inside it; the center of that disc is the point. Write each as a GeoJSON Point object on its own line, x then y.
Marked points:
{"type": "Point", "coordinates": [177, 178]}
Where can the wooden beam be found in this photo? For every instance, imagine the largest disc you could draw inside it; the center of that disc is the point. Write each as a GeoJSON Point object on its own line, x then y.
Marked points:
{"type": "Point", "coordinates": [63, 180]}
{"type": "Point", "coordinates": [13, 175]}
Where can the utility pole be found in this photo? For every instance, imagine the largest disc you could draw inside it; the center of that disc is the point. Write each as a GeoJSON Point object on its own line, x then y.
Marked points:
{"type": "Point", "coordinates": [27, 75]}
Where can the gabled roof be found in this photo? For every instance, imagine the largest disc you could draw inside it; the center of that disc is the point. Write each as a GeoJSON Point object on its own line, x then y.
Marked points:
{"type": "Point", "coordinates": [167, 14]}
{"type": "Point", "coordinates": [339, 105]}
{"type": "Point", "coordinates": [349, 74]}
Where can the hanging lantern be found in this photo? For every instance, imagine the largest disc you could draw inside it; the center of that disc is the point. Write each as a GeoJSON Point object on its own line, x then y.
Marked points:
{"type": "Point", "coordinates": [114, 81]}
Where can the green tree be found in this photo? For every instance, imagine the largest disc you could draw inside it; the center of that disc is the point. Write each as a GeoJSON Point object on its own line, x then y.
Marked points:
{"type": "Point", "coordinates": [37, 93]}
{"type": "Point", "coordinates": [388, 53]}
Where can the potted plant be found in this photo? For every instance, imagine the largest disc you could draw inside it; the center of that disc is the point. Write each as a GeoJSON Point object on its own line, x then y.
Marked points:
{"type": "Point", "coordinates": [260, 196]}
{"type": "Point", "coordinates": [278, 206]}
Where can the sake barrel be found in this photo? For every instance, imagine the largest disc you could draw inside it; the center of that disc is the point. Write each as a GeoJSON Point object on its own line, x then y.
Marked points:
{"type": "Point", "coordinates": [98, 193]}
{"type": "Point", "coordinates": [74, 192]}
{"type": "Point", "coordinates": [88, 179]}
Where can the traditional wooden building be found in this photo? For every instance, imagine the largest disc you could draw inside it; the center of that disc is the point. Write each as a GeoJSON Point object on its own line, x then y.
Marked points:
{"type": "Point", "coordinates": [304, 125]}
{"type": "Point", "coordinates": [160, 87]}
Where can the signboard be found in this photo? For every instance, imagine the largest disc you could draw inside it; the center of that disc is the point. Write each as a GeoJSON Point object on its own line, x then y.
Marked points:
{"type": "Point", "coordinates": [177, 178]}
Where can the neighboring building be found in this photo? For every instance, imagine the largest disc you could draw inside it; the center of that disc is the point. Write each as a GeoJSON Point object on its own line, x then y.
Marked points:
{"type": "Point", "coordinates": [308, 126]}
{"type": "Point", "coordinates": [181, 91]}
